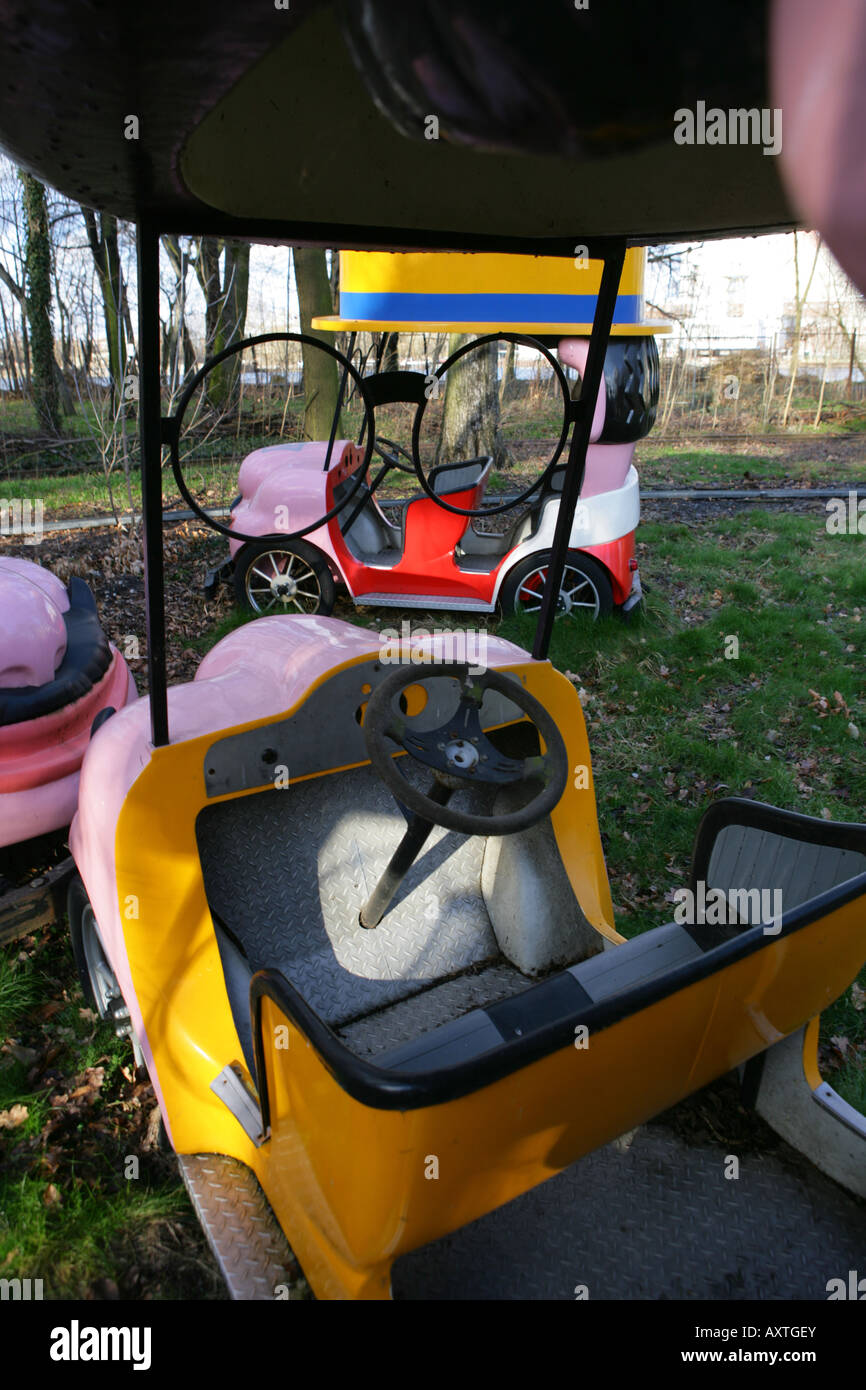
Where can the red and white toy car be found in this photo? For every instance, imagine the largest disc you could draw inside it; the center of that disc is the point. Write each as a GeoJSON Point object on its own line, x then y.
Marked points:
{"type": "Point", "coordinates": [436, 558]}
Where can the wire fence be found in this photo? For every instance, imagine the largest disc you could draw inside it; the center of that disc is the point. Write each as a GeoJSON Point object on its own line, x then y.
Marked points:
{"type": "Point", "coordinates": [717, 382]}
{"type": "Point", "coordinates": [709, 383]}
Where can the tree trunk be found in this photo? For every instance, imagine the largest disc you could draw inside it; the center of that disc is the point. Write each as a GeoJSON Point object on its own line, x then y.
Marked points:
{"type": "Point", "coordinates": [321, 378]}
{"type": "Point", "coordinates": [37, 263]}
{"type": "Point", "coordinates": [390, 359]}
{"type": "Point", "coordinates": [225, 313]}
{"type": "Point", "coordinates": [8, 351]}
{"type": "Point", "coordinates": [66, 370]}
{"type": "Point", "coordinates": [105, 249]}
{"type": "Point", "coordinates": [470, 412]}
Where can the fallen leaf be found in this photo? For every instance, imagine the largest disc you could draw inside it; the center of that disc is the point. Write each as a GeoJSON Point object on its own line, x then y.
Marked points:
{"type": "Point", "coordinates": [858, 997]}
{"type": "Point", "coordinates": [26, 1055]}
{"type": "Point", "coordinates": [51, 1196]}
{"type": "Point", "coordinates": [13, 1117]}
{"type": "Point", "coordinates": [48, 1010]}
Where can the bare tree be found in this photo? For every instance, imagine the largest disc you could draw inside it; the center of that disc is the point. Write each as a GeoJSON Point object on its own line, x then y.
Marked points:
{"type": "Point", "coordinates": [223, 272]}
{"type": "Point", "coordinates": [846, 310]}
{"type": "Point", "coordinates": [102, 237]}
{"type": "Point", "coordinates": [178, 355]}
{"type": "Point", "coordinates": [799, 305]}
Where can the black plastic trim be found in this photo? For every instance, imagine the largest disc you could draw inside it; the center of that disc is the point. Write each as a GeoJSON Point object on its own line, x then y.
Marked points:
{"type": "Point", "coordinates": [541, 1004]}
{"type": "Point", "coordinates": [392, 388]}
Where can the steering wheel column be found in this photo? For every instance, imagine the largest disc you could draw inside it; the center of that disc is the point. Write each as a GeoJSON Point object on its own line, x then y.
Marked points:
{"type": "Point", "coordinates": [459, 754]}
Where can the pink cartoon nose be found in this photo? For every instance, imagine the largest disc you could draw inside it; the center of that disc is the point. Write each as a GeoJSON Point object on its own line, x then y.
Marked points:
{"type": "Point", "coordinates": [573, 353]}
{"type": "Point", "coordinates": [32, 630]}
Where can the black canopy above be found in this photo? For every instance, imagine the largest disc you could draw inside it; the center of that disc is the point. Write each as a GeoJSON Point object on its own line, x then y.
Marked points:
{"type": "Point", "coordinates": [313, 121]}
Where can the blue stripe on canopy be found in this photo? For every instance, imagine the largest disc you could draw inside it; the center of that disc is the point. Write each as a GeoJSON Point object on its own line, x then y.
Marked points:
{"type": "Point", "coordinates": [483, 308]}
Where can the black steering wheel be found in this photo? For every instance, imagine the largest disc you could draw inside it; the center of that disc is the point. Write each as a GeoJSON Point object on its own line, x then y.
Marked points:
{"type": "Point", "coordinates": [390, 452]}
{"type": "Point", "coordinates": [460, 749]}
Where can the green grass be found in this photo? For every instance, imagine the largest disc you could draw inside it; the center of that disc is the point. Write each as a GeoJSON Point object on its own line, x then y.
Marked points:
{"type": "Point", "coordinates": [673, 723]}
{"type": "Point", "coordinates": [18, 990]}
{"type": "Point", "coordinates": [72, 1211]}
{"type": "Point", "coordinates": [87, 1240]}
{"type": "Point", "coordinates": [80, 493]}
{"type": "Point", "coordinates": [661, 465]}
{"type": "Point", "coordinates": [211, 470]}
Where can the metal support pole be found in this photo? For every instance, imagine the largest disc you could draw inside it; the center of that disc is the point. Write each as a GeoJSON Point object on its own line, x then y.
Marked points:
{"type": "Point", "coordinates": [150, 431]}
{"type": "Point", "coordinates": [573, 481]}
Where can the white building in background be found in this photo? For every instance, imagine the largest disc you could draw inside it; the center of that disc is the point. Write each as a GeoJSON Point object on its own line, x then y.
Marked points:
{"type": "Point", "coordinates": [739, 295]}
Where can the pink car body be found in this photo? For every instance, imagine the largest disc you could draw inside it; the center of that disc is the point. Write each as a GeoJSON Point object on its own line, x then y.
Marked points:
{"type": "Point", "coordinates": [284, 487]}
{"type": "Point", "coordinates": [257, 672]}
{"type": "Point", "coordinates": [40, 757]}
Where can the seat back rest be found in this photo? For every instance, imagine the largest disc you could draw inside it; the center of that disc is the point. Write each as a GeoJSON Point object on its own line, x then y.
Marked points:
{"type": "Point", "coordinates": [527, 525]}
{"type": "Point", "coordinates": [368, 533]}
{"type": "Point", "coordinates": [524, 527]}
{"type": "Point", "coordinates": [457, 477]}
{"type": "Point", "coordinates": [746, 845]}
{"type": "Point", "coordinates": [392, 388]}
{"type": "Point", "coordinates": [746, 858]}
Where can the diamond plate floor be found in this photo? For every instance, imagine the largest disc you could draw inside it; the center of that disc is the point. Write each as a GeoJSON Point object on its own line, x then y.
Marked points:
{"type": "Point", "coordinates": [411, 1018]}
{"type": "Point", "coordinates": [654, 1220]}
{"type": "Point", "coordinates": [250, 1249]}
{"type": "Point", "coordinates": [288, 871]}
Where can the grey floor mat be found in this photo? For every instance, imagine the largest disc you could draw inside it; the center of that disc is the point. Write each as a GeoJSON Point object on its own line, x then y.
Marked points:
{"type": "Point", "coordinates": [404, 1021]}
{"type": "Point", "coordinates": [655, 1220]}
{"type": "Point", "coordinates": [288, 872]}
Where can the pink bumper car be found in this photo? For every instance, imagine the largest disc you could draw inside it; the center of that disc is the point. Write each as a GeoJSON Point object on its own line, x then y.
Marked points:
{"type": "Point", "coordinates": [58, 674]}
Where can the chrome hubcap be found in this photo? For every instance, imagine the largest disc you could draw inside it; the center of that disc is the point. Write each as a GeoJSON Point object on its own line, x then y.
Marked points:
{"type": "Point", "coordinates": [577, 593]}
{"type": "Point", "coordinates": [280, 579]}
